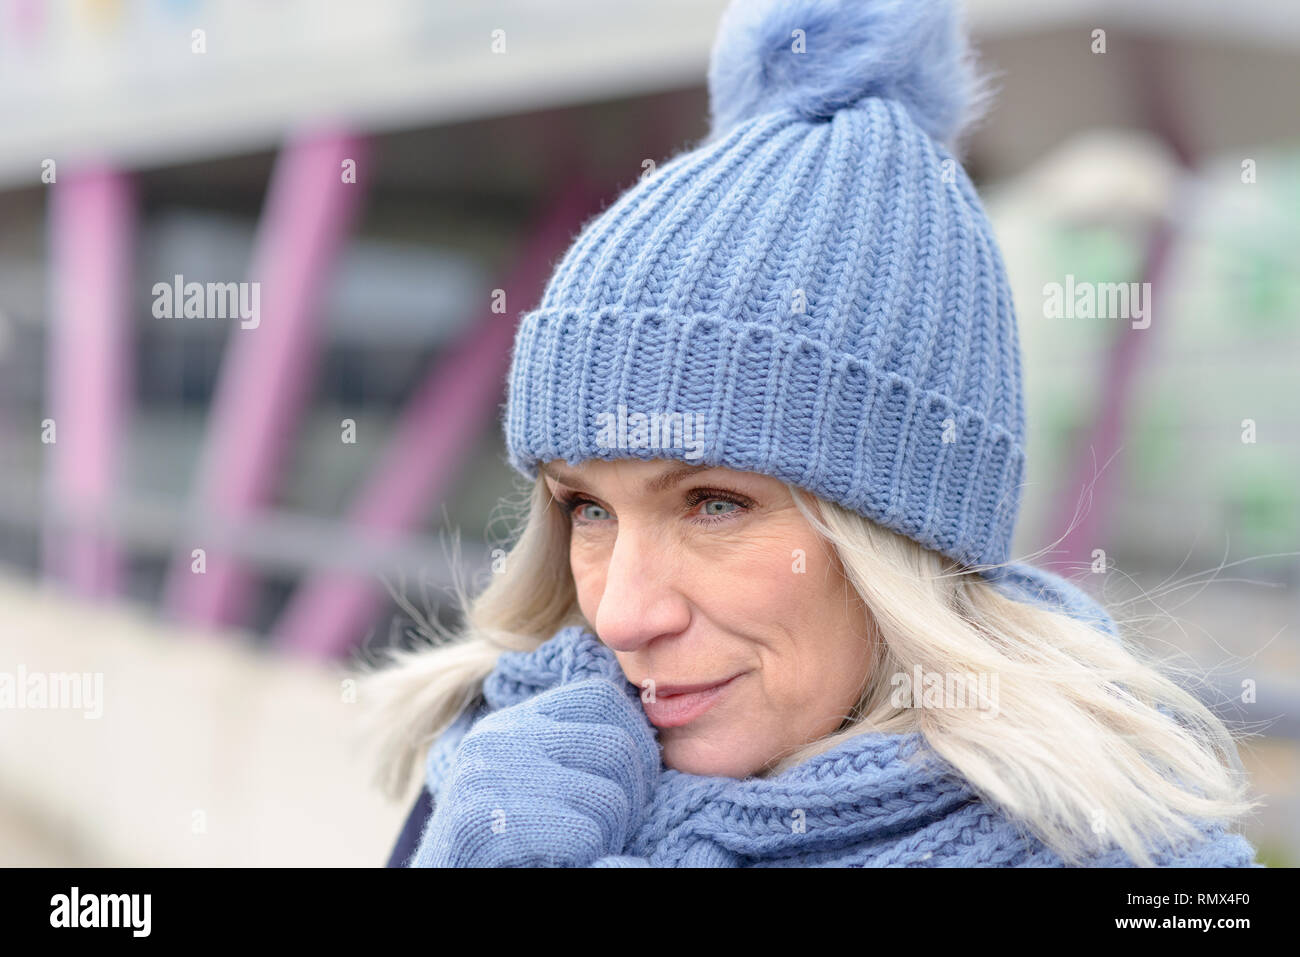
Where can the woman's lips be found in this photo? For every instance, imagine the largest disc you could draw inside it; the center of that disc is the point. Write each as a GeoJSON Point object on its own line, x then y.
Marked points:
{"type": "Point", "coordinates": [673, 710]}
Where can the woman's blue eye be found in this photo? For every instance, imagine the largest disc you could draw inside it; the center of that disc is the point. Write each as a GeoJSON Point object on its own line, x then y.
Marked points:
{"type": "Point", "coordinates": [716, 507]}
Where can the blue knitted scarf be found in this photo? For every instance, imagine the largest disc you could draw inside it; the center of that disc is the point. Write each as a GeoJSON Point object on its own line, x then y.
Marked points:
{"type": "Point", "coordinates": [876, 800]}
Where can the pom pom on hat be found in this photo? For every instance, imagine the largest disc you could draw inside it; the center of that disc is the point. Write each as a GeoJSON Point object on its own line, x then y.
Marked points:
{"type": "Point", "coordinates": [911, 51]}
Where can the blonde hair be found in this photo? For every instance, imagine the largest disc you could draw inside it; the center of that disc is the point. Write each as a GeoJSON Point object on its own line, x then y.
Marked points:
{"type": "Point", "coordinates": [1089, 738]}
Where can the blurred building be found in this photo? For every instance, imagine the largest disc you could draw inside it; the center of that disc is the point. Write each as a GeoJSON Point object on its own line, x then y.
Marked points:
{"type": "Point", "coordinates": [398, 177]}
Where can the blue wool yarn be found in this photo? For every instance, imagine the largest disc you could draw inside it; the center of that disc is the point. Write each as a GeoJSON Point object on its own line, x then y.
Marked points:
{"type": "Point", "coordinates": [891, 49]}
{"type": "Point", "coordinates": [815, 289]}
{"type": "Point", "coordinates": [559, 766]}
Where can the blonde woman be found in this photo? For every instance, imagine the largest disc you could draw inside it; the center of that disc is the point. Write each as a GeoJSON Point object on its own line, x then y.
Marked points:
{"type": "Point", "coordinates": [761, 610]}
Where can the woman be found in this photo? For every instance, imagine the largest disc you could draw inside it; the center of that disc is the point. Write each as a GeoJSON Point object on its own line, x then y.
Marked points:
{"type": "Point", "coordinates": [761, 611]}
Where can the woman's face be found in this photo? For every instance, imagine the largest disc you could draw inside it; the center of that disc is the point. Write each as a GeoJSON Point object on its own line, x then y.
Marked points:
{"type": "Point", "coordinates": [694, 575]}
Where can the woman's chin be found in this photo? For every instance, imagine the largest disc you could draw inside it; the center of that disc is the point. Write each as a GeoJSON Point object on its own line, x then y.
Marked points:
{"type": "Point", "coordinates": [698, 757]}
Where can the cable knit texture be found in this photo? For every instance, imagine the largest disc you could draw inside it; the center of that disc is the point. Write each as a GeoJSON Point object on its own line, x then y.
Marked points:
{"type": "Point", "coordinates": [558, 766]}
{"type": "Point", "coordinates": [814, 293]}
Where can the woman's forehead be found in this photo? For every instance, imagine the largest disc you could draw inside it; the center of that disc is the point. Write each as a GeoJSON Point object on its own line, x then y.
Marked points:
{"type": "Point", "coordinates": [656, 475]}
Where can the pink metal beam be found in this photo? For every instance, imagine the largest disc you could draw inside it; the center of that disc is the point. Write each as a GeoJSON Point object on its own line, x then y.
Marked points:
{"type": "Point", "coordinates": [92, 225]}
{"type": "Point", "coordinates": [1086, 521]}
{"type": "Point", "coordinates": [267, 369]}
{"type": "Point", "coordinates": [329, 614]}
{"type": "Point", "coordinates": [1156, 91]}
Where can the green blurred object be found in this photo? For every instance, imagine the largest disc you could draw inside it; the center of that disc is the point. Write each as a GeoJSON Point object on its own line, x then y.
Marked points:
{"type": "Point", "coordinates": [1158, 440]}
{"type": "Point", "coordinates": [1262, 503]}
{"type": "Point", "coordinates": [1258, 289]}
{"type": "Point", "coordinates": [1273, 854]}
{"type": "Point", "coordinates": [1096, 252]}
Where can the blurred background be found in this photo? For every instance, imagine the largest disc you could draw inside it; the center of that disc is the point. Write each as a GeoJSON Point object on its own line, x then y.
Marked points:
{"type": "Point", "coordinates": [216, 518]}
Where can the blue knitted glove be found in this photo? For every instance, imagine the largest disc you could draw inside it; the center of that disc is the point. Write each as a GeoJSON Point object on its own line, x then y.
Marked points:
{"type": "Point", "coordinates": [558, 780]}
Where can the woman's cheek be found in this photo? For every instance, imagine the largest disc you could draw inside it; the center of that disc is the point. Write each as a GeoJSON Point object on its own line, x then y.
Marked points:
{"type": "Point", "coordinates": [779, 575]}
{"type": "Point", "coordinates": [588, 578]}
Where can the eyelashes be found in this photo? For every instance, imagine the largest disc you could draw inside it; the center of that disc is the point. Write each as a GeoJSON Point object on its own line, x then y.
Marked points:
{"type": "Point", "coordinates": [697, 496]}
{"type": "Point", "coordinates": [570, 502]}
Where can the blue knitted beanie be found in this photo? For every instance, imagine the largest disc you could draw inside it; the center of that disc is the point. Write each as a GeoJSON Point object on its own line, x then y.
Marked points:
{"type": "Point", "coordinates": [813, 293]}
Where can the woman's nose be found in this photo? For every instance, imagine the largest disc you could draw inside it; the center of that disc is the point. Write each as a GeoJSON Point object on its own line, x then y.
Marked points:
{"type": "Point", "coordinates": [643, 599]}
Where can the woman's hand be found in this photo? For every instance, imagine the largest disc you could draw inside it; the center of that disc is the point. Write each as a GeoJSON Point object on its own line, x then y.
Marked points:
{"type": "Point", "coordinates": [559, 780]}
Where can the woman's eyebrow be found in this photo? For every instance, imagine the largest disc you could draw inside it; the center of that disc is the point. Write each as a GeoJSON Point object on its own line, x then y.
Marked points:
{"type": "Point", "coordinates": [564, 477]}
{"type": "Point", "coordinates": [670, 477]}
{"type": "Point", "coordinates": [659, 483]}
